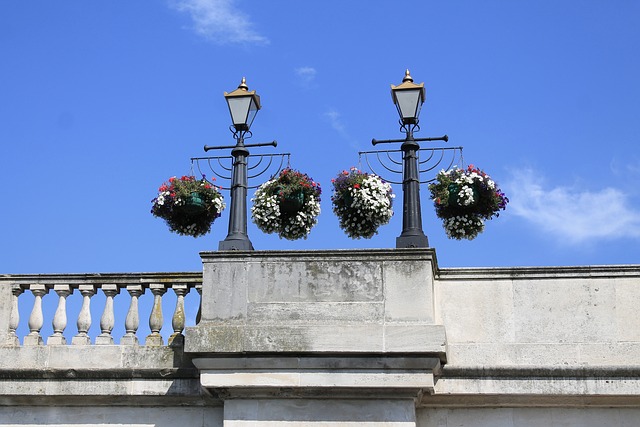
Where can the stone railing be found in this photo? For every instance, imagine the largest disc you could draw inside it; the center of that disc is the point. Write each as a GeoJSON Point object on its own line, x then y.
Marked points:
{"type": "Point", "coordinates": [14, 289]}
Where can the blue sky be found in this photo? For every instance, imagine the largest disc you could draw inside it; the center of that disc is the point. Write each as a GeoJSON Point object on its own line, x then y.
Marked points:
{"type": "Point", "coordinates": [100, 102]}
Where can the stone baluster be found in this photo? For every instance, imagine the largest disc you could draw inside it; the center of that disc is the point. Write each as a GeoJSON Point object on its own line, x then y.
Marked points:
{"type": "Point", "coordinates": [84, 318]}
{"type": "Point", "coordinates": [60, 317]}
{"type": "Point", "coordinates": [36, 319]}
{"type": "Point", "coordinates": [178, 321]}
{"type": "Point", "coordinates": [107, 320]}
{"type": "Point", "coordinates": [199, 315]}
{"type": "Point", "coordinates": [132, 320]}
{"type": "Point", "coordinates": [156, 320]}
{"type": "Point", "coordinates": [14, 317]}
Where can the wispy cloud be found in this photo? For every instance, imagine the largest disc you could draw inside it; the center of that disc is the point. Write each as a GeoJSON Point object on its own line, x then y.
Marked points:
{"type": "Point", "coordinates": [335, 120]}
{"type": "Point", "coordinates": [305, 74]}
{"type": "Point", "coordinates": [220, 21]}
{"type": "Point", "coordinates": [569, 214]}
{"type": "Point", "coordinates": [630, 165]}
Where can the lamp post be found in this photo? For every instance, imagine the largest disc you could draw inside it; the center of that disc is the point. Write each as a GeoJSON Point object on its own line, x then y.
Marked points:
{"type": "Point", "coordinates": [243, 107]}
{"type": "Point", "coordinates": [408, 98]}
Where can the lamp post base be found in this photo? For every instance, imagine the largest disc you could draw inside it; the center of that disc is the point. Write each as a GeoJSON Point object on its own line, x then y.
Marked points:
{"type": "Point", "coordinates": [235, 245]}
{"type": "Point", "coordinates": [412, 241]}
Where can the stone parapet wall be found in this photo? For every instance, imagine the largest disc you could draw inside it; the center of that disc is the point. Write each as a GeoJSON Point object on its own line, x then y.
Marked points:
{"type": "Point", "coordinates": [98, 375]}
{"type": "Point", "coordinates": [334, 338]}
{"type": "Point", "coordinates": [356, 301]}
{"type": "Point", "coordinates": [546, 316]}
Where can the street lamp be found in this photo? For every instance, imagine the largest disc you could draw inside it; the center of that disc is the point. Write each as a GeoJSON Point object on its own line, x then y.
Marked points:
{"type": "Point", "coordinates": [243, 107]}
{"type": "Point", "coordinates": [408, 98]}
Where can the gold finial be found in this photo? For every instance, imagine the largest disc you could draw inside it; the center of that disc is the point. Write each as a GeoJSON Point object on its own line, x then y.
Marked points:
{"type": "Point", "coordinates": [407, 77]}
{"type": "Point", "coordinates": [243, 84]}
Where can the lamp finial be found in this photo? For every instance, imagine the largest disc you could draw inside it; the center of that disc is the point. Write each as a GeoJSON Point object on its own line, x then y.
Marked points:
{"type": "Point", "coordinates": [407, 77]}
{"type": "Point", "coordinates": [243, 84]}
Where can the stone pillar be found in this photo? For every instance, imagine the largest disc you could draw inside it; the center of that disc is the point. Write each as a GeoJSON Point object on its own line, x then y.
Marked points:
{"type": "Point", "coordinates": [9, 298]}
{"type": "Point", "coordinates": [84, 318]}
{"type": "Point", "coordinates": [351, 336]}
{"type": "Point", "coordinates": [156, 320]}
{"type": "Point", "coordinates": [36, 319]}
{"type": "Point", "coordinates": [107, 320]}
{"type": "Point", "coordinates": [60, 317]}
{"type": "Point", "coordinates": [132, 321]}
{"type": "Point", "coordinates": [178, 320]}
{"type": "Point", "coordinates": [319, 412]}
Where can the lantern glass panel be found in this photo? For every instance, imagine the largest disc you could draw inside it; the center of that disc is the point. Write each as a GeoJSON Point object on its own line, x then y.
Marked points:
{"type": "Point", "coordinates": [408, 103]}
{"type": "Point", "coordinates": [239, 106]}
{"type": "Point", "coordinates": [253, 110]}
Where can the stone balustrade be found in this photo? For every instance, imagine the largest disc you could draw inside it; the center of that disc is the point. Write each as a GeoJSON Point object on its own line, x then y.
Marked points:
{"type": "Point", "coordinates": [57, 288]}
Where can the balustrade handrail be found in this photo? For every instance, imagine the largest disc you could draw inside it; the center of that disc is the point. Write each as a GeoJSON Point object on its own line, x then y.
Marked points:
{"type": "Point", "coordinates": [101, 278]}
{"type": "Point", "coordinates": [135, 284]}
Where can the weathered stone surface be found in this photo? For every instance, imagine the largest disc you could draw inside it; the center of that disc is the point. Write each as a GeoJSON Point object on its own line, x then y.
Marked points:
{"type": "Point", "coordinates": [318, 301]}
{"type": "Point", "coordinates": [292, 280]}
{"type": "Point", "coordinates": [316, 413]}
{"type": "Point", "coordinates": [328, 338]}
{"type": "Point", "coordinates": [555, 316]}
{"type": "Point", "coordinates": [301, 313]}
{"type": "Point", "coordinates": [528, 417]}
{"type": "Point", "coordinates": [408, 291]}
{"type": "Point", "coordinates": [91, 416]}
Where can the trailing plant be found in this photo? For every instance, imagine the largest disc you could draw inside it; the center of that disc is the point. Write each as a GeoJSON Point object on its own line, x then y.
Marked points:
{"type": "Point", "coordinates": [363, 202]}
{"type": "Point", "coordinates": [464, 199]}
{"type": "Point", "coordinates": [188, 205]}
{"type": "Point", "coordinates": [288, 205]}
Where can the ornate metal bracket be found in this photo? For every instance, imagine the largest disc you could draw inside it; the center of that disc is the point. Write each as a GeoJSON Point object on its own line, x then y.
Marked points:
{"type": "Point", "coordinates": [222, 166]}
{"type": "Point", "coordinates": [436, 157]}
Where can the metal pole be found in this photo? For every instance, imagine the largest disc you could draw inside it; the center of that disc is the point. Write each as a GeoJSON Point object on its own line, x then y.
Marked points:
{"type": "Point", "coordinates": [238, 239]}
{"type": "Point", "coordinates": [412, 235]}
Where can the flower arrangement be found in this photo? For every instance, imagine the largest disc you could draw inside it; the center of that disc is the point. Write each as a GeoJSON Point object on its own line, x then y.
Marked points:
{"type": "Point", "coordinates": [363, 202]}
{"type": "Point", "coordinates": [188, 205]}
{"type": "Point", "coordinates": [464, 199]}
{"type": "Point", "coordinates": [288, 205]}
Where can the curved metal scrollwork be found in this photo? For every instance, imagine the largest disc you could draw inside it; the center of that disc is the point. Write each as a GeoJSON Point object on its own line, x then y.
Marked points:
{"type": "Point", "coordinates": [394, 164]}
{"type": "Point", "coordinates": [222, 166]}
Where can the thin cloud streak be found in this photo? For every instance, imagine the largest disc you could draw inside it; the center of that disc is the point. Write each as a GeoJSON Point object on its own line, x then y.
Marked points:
{"type": "Point", "coordinates": [335, 120]}
{"type": "Point", "coordinates": [570, 215]}
{"type": "Point", "coordinates": [220, 22]}
{"type": "Point", "coordinates": [306, 74]}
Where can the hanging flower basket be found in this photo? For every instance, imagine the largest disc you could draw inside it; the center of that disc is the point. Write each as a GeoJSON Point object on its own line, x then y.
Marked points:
{"type": "Point", "coordinates": [193, 204]}
{"type": "Point", "coordinates": [291, 202]}
{"type": "Point", "coordinates": [464, 200]}
{"type": "Point", "coordinates": [188, 206]}
{"type": "Point", "coordinates": [287, 205]}
{"type": "Point", "coordinates": [363, 202]}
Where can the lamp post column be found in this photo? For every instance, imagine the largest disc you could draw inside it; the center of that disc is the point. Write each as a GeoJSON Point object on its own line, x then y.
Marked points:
{"type": "Point", "coordinates": [238, 239]}
{"type": "Point", "coordinates": [412, 235]}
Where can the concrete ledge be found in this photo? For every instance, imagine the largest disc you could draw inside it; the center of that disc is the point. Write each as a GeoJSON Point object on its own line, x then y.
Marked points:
{"type": "Point", "coordinates": [343, 376]}
{"type": "Point", "coordinates": [540, 273]}
{"type": "Point", "coordinates": [104, 392]}
{"type": "Point", "coordinates": [217, 338]}
{"type": "Point", "coordinates": [103, 358]}
{"type": "Point", "coordinates": [535, 386]}
{"type": "Point", "coordinates": [330, 254]}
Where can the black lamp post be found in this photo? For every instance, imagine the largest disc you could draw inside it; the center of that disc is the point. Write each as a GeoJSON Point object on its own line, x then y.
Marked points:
{"type": "Point", "coordinates": [408, 98]}
{"type": "Point", "coordinates": [243, 106]}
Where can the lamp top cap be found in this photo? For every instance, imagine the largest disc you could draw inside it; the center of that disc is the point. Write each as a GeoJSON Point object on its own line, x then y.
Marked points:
{"type": "Point", "coordinates": [243, 91]}
{"type": "Point", "coordinates": [408, 84]}
{"type": "Point", "coordinates": [243, 84]}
